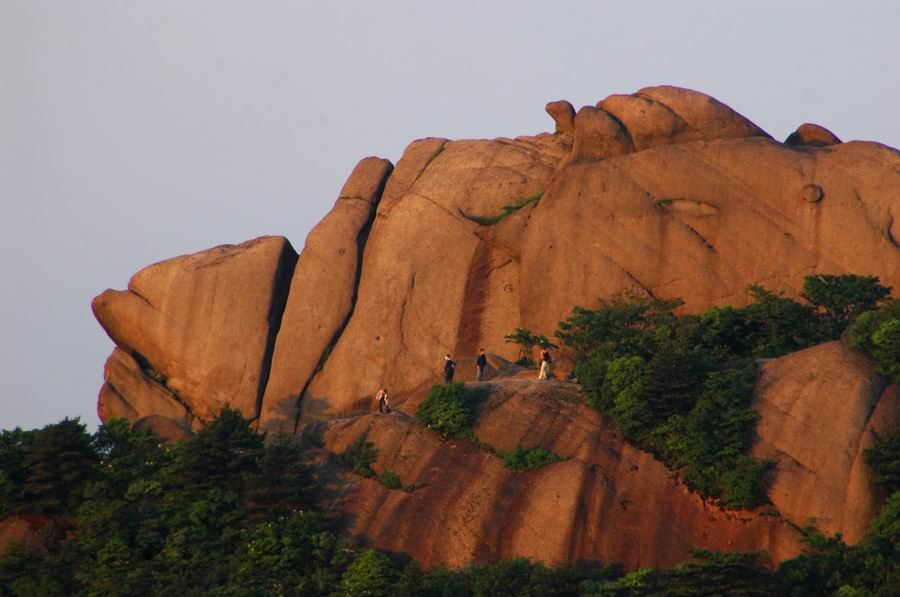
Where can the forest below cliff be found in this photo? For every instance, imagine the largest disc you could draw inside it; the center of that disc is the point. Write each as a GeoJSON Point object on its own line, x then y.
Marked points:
{"type": "Point", "coordinates": [232, 512]}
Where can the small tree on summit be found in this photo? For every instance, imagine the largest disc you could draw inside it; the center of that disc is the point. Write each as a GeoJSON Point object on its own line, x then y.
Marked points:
{"type": "Point", "coordinates": [842, 298]}
{"type": "Point", "coordinates": [527, 341]}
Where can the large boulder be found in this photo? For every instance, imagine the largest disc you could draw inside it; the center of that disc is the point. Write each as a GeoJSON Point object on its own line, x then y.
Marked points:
{"type": "Point", "coordinates": [202, 325]}
{"type": "Point", "coordinates": [323, 292]}
{"type": "Point", "coordinates": [811, 135]}
{"type": "Point", "coordinates": [130, 393]}
{"type": "Point", "coordinates": [563, 114]}
{"type": "Point", "coordinates": [820, 409]}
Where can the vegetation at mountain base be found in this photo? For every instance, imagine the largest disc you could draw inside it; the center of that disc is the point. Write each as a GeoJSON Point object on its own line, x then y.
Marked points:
{"type": "Point", "coordinates": [681, 386]}
{"type": "Point", "coordinates": [227, 513]}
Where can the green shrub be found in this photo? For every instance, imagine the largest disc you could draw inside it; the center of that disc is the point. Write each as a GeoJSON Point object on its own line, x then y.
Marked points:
{"type": "Point", "coordinates": [628, 324]}
{"type": "Point", "coordinates": [884, 459]}
{"type": "Point", "coordinates": [389, 479]}
{"type": "Point", "coordinates": [526, 459]}
{"type": "Point", "coordinates": [371, 574]}
{"type": "Point", "coordinates": [717, 435]}
{"type": "Point", "coordinates": [448, 409]}
{"type": "Point", "coordinates": [744, 486]}
{"type": "Point", "coordinates": [590, 370]}
{"type": "Point", "coordinates": [778, 325]}
{"type": "Point", "coordinates": [505, 211]}
{"type": "Point", "coordinates": [675, 386]}
{"type": "Point", "coordinates": [622, 388]}
{"type": "Point", "coordinates": [878, 333]}
{"type": "Point", "coordinates": [887, 348]}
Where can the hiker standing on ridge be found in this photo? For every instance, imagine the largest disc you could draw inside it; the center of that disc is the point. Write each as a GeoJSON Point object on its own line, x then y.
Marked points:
{"type": "Point", "coordinates": [449, 369]}
{"type": "Point", "coordinates": [382, 398]}
{"type": "Point", "coordinates": [545, 365]}
{"type": "Point", "coordinates": [480, 364]}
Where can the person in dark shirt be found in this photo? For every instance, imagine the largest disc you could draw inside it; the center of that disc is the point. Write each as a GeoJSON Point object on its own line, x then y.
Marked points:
{"type": "Point", "coordinates": [480, 364]}
{"type": "Point", "coordinates": [449, 369]}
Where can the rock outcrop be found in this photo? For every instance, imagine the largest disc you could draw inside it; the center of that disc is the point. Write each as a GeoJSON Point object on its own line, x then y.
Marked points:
{"type": "Point", "coordinates": [811, 135]}
{"type": "Point", "coordinates": [605, 501]}
{"type": "Point", "coordinates": [323, 292]}
{"type": "Point", "coordinates": [201, 326]}
{"type": "Point", "coordinates": [666, 192]}
{"type": "Point", "coordinates": [820, 408]}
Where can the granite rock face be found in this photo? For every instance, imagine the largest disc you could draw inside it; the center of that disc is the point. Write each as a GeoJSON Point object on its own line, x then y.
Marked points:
{"type": "Point", "coordinates": [666, 192]}
{"type": "Point", "coordinates": [820, 409]}
{"type": "Point", "coordinates": [202, 326]}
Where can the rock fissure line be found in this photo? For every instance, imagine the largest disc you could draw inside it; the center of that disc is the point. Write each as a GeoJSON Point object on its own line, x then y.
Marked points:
{"type": "Point", "coordinates": [281, 289]}
{"type": "Point", "coordinates": [431, 158]}
{"type": "Point", "coordinates": [160, 378]}
{"type": "Point", "coordinates": [468, 331]}
{"type": "Point", "coordinates": [361, 242]}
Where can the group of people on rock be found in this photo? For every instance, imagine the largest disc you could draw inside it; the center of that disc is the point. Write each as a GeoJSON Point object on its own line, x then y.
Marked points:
{"type": "Point", "coordinates": [450, 370]}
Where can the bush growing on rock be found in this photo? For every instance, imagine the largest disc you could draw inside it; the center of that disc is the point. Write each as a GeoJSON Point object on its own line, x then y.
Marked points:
{"type": "Point", "coordinates": [884, 459]}
{"type": "Point", "coordinates": [390, 480]}
{"type": "Point", "coordinates": [360, 455]}
{"type": "Point", "coordinates": [448, 409]}
{"type": "Point", "coordinates": [878, 333]}
{"type": "Point", "coordinates": [681, 386]}
{"type": "Point", "coordinates": [676, 385]}
{"type": "Point", "coordinates": [526, 459]}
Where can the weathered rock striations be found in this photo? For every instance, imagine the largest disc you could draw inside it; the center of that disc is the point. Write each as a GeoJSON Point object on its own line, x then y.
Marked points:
{"type": "Point", "coordinates": [666, 192]}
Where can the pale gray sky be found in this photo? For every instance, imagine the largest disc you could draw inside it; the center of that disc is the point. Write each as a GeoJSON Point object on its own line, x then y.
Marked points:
{"type": "Point", "coordinates": [136, 130]}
